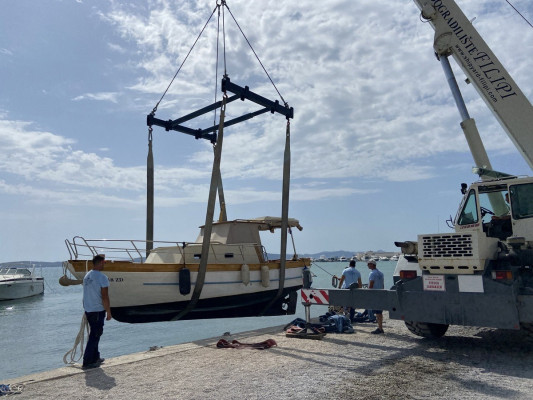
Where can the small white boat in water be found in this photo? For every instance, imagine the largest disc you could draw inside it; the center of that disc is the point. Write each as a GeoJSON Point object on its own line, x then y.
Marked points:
{"type": "Point", "coordinates": [19, 282]}
{"type": "Point", "coordinates": [241, 280]}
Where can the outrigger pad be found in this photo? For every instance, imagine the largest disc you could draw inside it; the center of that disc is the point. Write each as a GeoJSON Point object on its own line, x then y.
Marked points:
{"type": "Point", "coordinates": [315, 333]}
{"type": "Point", "coordinates": [306, 335]}
{"type": "Point", "coordinates": [235, 344]}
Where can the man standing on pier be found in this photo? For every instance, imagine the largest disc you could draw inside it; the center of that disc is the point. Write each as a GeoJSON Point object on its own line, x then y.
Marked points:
{"type": "Point", "coordinates": [350, 276]}
{"type": "Point", "coordinates": [376, 281]}
{"type": "Point", "coordinates": [96, 305]}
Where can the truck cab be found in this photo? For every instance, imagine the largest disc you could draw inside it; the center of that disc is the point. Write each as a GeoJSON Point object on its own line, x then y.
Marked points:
{"type": "Point", "coordinates": [481, 208]}
{"type": "Point", "coordinates": [493, 227]}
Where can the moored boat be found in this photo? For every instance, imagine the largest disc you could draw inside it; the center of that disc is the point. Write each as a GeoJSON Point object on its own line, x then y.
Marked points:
{"type": "Point", "coordinates": [19, 282]}
{"type": "Point", "coordinates": [240, 281]}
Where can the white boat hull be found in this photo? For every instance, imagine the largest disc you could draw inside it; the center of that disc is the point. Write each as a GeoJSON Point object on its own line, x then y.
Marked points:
{"type": "Point", "coordinates": [18, 289]}
{"type": "Point", "coordinates": [151, 295]}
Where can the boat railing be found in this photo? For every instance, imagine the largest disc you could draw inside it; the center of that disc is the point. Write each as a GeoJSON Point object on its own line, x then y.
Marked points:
{"type": "Point", "coordinates": [134, 250]}
{"type": "Point", "coordinates": [114, 249]}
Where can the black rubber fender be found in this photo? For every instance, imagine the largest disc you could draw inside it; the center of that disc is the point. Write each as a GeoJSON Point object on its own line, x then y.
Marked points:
{"type": "Point", "coordinates": [185, 281]}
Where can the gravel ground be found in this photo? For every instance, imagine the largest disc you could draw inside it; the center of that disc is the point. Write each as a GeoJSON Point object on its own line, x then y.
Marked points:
{"type": "Point", "coordinates": [467, 363]}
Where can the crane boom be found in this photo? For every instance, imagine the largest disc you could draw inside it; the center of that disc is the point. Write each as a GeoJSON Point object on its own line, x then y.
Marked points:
{"type": "Point", "coordinates": [455, 35]}
{"type": "Point", "coordinates": [481, 274]}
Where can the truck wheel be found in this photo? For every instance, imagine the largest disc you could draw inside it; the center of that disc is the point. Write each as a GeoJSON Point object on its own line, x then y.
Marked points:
{"type": "Point", "coordinates": [427, 330]}
{"type": "Point", "coordinates": [528, 329]}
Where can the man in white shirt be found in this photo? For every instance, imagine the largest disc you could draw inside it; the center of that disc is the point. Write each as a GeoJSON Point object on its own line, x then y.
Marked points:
{"type": "Point", "coordinates": [350, 276]}
{"type": "Point", "coordinates": [96, 305]}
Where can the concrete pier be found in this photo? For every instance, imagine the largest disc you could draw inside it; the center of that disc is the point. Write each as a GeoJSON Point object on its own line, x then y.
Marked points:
{"type": "Point", "coordinates": [468, 363]}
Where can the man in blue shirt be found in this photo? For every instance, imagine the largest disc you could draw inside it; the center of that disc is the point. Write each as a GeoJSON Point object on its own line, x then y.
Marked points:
{"type": "Point", "coordinates": [96, 305]}
{"type": "Point", "coordinates": [376, 281]}
{"type": "Point", "coordinates": [350, 276]}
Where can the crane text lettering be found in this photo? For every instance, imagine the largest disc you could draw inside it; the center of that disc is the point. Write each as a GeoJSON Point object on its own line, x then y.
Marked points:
{"type": "Point", "coordinates": [490, 76]}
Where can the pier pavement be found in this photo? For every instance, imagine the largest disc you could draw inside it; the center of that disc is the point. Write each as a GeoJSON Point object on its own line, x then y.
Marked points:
{"type": "Point", "coordinates": [468, 363]}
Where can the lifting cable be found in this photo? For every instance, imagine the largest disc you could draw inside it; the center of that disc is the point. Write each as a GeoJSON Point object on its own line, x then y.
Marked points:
{"type": "Point", "coordinates": [217, 7]}
{"type": "Point", "coordinates": [150, 157]}
{"type": "Point", "coordinates": [256, 56]}
{"type": "Point", "coordinates": [183, 62]}
{"type": "Point", "coordinates": [519, 13]}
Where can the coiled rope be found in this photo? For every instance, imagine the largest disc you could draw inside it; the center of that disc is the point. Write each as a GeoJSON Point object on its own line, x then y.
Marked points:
{"type": "Point", "coordinates": [79, 342]}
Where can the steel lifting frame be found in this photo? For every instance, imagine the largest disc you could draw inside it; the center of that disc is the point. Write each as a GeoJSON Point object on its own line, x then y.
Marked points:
{"type": "Point", "coordinates": [210, 132]}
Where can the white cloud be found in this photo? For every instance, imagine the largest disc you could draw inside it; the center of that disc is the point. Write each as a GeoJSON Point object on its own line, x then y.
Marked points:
{"type": "Point", "coordinates": [117, 48]}
{"type": "Point", "coordinates": [370, 98]}
{"type": "Point", "coordinates": [102, 96]}
{"type": "Point", "coordinates": [38, 156]}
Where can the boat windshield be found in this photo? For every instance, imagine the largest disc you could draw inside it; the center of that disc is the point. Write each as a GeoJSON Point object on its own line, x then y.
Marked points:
{"type": "Point", "coordinates": [15, 271]}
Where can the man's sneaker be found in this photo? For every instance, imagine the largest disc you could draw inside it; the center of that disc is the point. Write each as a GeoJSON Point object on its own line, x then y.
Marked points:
{"type": "Point", "coordinates": [90, 366]}
{"type": "Point", "coordinates": [377, 331]}
{"type": "Point", "coordinates": [101, 360]}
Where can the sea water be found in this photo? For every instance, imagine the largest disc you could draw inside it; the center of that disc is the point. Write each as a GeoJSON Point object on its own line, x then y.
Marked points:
{"type": "Point", "coordinates": [36, 332]}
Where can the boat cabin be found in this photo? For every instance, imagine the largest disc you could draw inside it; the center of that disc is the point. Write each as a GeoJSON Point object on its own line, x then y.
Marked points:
{"type": "Point", "coordinates": [232, 242]}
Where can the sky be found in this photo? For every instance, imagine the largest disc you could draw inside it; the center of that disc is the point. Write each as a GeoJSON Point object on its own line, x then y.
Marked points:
{"type": "Point", "coordinates": [377, 152]}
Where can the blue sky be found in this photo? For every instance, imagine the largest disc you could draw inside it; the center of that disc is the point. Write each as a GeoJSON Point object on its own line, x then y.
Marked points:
{"type": "Point", "coordinates": [377, 151]}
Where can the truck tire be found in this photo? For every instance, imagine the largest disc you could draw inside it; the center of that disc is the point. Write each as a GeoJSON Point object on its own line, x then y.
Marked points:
{"type": "Point", "coordinates": [427, 330]}
{"type": "Point", "coordinates": [528, 329]}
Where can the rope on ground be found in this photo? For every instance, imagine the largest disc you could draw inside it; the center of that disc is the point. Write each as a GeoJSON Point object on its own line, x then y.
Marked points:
{"type": "Point", "coordinates": [235, 344]}
{"type": "Point", "coordinates": [79, 342]}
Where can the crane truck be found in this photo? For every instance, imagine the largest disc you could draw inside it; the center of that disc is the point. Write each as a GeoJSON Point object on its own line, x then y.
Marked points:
{"type": "Point", "coordinates": [482, 273]}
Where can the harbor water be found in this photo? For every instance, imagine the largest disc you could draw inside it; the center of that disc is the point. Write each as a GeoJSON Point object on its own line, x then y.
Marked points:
{"type": "Point", "coordinates": [36, 332]}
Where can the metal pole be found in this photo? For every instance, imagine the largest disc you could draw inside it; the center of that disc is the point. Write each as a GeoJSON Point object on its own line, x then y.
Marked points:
{"type": "Point", "coordinates": [149, 196]}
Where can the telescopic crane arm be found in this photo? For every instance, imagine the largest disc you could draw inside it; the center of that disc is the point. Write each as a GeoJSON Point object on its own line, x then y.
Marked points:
{"type": "Point", "coordinates": [456, 36]}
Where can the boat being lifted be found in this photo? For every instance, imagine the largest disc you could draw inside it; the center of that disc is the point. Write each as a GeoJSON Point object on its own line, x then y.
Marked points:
{"type": "Point", "coordinates": [240, 279]}
{"type": "Point", "coordinates": [226, 272]}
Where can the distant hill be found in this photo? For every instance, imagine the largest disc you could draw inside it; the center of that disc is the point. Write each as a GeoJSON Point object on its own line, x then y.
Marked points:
{"type": "Point", "coordinates": [38, 264]}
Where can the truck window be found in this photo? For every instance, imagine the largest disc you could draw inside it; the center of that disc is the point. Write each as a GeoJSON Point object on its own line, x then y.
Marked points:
{"type": "Point", "coordinates": [492, 205]}
{"type": "Point", "coordinates": [522, 204]}
{"type": "Point", "coordinates": [469, 213]}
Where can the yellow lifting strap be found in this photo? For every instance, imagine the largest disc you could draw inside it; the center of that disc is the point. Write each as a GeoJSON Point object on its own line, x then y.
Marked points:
{"type": "Point", "coordinates": [284, 216]}
{"type": "Point", "coordinates": [215, 179]}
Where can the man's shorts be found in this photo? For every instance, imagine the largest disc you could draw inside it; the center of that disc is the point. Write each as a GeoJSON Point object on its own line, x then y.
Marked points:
{"type": "Point", "coordinates": [377, 311]}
